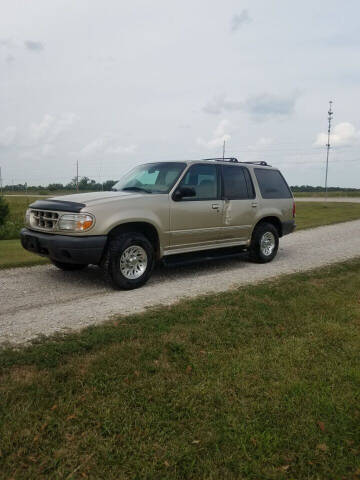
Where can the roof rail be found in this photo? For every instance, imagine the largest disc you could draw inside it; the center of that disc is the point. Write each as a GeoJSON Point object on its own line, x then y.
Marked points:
{"type": "Point", "coordinates": [222, 159]}
{"type": "Point", "coordinates": [264, 164]}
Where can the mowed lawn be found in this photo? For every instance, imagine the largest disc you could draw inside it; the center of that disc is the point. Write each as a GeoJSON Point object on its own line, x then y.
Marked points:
{"type": "Point", "coordinates": [262, 382]}
{"type": "Point", "coordinates": [308, 215]}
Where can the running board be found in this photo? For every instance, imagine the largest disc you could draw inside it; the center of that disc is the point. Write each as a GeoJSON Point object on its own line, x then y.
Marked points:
{"type": "Point", "coordinates": [204, 256]}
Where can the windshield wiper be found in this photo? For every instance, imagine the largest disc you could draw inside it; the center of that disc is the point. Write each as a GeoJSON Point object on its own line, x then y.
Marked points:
{"type": "Point", "coordinates": [137, 189]}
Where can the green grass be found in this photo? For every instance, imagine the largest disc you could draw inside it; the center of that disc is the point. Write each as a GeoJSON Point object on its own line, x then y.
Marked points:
{"type": "Point", "coordinates": [309, 215]}
{"type": "Point", "coordinates": [262, 382]}
{"type": "Point", "coordinates": [15, 222]}
{"type": "Point", "coordinates": [314, 214]}
{"type": "Point", "coordinates": [12, 254]}
{"type": "Point", "coordinates": [355, 193]}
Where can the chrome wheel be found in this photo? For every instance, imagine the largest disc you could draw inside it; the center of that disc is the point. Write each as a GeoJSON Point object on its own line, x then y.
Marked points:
{"type": "Point", "coordinates": [133, 262]}
{"type": "Point", "coordinates": [267, 244]}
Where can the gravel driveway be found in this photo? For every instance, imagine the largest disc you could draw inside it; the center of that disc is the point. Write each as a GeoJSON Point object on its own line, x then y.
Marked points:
{"type": "Point", "coordinates": [44, 300]}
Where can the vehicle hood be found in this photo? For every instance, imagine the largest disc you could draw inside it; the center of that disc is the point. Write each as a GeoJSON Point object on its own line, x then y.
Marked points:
{"type": "Point", "coordinates": [95, 197]}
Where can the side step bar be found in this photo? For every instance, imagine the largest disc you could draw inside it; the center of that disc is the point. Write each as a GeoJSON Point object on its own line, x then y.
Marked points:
{"type": "Point", "coordinates": [201, 257]}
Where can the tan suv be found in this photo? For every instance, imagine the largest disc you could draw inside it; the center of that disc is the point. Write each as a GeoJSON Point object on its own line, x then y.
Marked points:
{"type": "Point", "coordinates": [162, 211]}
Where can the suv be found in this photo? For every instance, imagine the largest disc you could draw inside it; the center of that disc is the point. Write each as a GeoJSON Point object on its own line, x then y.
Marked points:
{"type": "Point", "coordinates": [159, 210]}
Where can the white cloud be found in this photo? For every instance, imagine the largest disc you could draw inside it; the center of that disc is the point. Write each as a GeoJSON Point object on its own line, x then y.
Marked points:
{"type": "Point", "coordinates": [50, 127]}
{"type": "Point", "coordinates": [108, 143]}
{"type": "Point", "coordinates": [343, 134]}
{"type": "Point", "coordinates": [7, 136]}
{"type": "Point", "coordinates": [261, 143]}
{"type": "Point", "coordinates": [220, 134]}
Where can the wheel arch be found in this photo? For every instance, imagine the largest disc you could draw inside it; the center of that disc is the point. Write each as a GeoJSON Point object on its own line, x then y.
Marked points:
{"type": "Point", "coordinates": [274, 221]}
{"type": "Point", "coordinates": [146, 228]}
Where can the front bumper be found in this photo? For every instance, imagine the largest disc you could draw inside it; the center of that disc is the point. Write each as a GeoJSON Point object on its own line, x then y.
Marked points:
{"type": "Point", "coordinates": [63, 248]}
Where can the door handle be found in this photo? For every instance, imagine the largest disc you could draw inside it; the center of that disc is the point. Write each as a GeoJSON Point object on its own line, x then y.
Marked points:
{"type": "Point", "coordinates": [215, 206]}
{"type": "Point", "coordinates": [254, 204]}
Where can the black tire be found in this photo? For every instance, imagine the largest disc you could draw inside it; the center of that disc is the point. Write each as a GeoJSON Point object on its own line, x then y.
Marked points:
{"type": "Point", "coordinates": [68, 267]}
{"type": "Point", "coordinates": [257, 250]}
{"type": "Point", "coordinates": [117, 247]}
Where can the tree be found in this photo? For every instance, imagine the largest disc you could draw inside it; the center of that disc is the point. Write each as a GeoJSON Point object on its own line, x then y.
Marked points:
{"type": "Point", "coordinates": [4, 210]}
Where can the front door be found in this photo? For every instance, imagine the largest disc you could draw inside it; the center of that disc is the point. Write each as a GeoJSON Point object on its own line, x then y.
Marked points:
{"type": "Point", "coordinates": [196, 222]}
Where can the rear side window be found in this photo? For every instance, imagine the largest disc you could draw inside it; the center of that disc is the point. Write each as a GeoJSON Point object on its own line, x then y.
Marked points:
{"type": "Point", "coordinates": [237, 183]}
{"type": "Point", "coordinates": [272, 184]}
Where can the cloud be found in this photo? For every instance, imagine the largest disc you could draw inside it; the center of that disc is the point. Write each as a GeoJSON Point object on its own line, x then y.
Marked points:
{"type": "Point", "coordinates": [50, 127]}
{"type": "Point", "coordinates": [108, 143]}
{"type": "Point", "coordinates": [260, 106]}
{"type": "Point", "coordinates": [220, 134]}
{"type": "Point", "coordinates": [343, 134]}
{"type": "Point", "coordinates": [261, 143]}
{"type": "Point", "coordinates": [34, 46]}
{"type": "Point", "coordinates": [238, 20]}
{"type": "Point", "coordinates": [9, 59]}
{"type": "Point", "coordinates": [7, 136]}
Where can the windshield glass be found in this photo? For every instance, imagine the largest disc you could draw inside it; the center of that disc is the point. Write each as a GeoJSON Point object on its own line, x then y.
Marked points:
{"type": "Point", "coordinates": [151, 178]}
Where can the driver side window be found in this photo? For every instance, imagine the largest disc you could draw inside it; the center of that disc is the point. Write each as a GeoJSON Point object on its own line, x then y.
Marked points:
{"type": "Point", "coordinates": [204, 180]}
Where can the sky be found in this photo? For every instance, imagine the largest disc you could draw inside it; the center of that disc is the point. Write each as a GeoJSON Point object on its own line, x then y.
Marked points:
{"type": "Point", "coordinates": [115, 83]}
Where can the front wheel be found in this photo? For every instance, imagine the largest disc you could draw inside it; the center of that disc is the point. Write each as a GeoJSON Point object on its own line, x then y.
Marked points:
{"type": "Point", "coordinates": [130, 260]}
{"type": "Point", "coordinates": [264, 243]}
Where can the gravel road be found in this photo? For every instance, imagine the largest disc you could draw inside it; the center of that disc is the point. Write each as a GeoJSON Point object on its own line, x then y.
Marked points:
{"type": "Point", "coordinates": [44, 300]}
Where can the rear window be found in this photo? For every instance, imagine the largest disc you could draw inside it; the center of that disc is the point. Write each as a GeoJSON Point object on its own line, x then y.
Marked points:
{"type": "Point", "coordinates": [272, 184]}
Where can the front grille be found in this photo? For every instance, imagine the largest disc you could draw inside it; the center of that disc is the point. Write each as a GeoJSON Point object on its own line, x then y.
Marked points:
{"type": "Point", "coordinates": [44, 219]}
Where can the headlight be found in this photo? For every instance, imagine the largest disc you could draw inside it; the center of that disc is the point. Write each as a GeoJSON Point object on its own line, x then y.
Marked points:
{"type": "Point", "coordinates": [27, 217]}
{"type": "Point", "coordinates": [76, 222]}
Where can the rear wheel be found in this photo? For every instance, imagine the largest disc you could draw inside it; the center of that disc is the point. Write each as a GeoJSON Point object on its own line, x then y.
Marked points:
{"type": "Point", "coordinates": [68, 266]}
{"type": "Point", "coordinates": [264, 243]}
{"type": "Point", "coordinates": [130, 260]}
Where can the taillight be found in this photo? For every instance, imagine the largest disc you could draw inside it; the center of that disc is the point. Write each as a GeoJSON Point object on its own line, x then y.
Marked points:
{"type": "Point", "coordinates": [294, 209]}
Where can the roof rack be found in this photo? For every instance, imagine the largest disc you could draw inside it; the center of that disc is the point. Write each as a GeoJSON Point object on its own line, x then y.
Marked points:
{"type": "Point", "coordinates": [222, 159]}
{"type": "Point", "coordinates": [264, 164]}
{"type": "Point", "coordinates": [235, 160]}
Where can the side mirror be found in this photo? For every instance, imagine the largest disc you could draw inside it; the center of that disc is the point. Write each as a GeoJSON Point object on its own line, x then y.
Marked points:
{"type": "Point", "coordinates": [184, 192]}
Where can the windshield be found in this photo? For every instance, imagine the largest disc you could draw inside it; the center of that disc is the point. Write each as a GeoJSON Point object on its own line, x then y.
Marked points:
{"type": "Point", "coordinates": [151, 178]}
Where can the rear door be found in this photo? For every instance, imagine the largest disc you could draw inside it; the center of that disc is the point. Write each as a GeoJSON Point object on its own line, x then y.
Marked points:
{"type": "Point", "coordinates": [197, 221]}
{"type": "Point", "coordinates": [239, 203]}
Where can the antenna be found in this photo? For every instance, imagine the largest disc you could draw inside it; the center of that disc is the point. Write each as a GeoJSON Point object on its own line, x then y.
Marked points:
{"type": "Point", "coordinates": [224, 150]}
{"type": "Point", "coordinates": [328, 146]}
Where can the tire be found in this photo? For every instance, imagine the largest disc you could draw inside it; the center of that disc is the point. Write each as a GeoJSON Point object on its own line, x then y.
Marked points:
{"type": "Point", "coordinates": [264, 243]}
{"type": "Point", "coordinates": [130, 260]}
{"type": "Point", "coordinates": [68, 267]}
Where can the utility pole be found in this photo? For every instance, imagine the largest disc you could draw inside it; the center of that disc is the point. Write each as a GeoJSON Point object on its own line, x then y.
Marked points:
{"type": "Point", "coordinates": [77, 175]}
{"type": "Point", "coordinates": [1, 185]}
{"type": "Point", "coordinates": [328, 146]}
{"type": "Point", "coordinates": [224, 150]}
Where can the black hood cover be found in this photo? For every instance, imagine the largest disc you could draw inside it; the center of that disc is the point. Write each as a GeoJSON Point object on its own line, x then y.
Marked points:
{"type": "Point", "coordinates": [58, 205]}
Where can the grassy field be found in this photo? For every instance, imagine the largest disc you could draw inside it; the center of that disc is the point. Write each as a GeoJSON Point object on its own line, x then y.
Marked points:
{"type": "Point", "coordinates": [262, 382]}
{"type": "Point", "coordinates": [308, 215]}
{"type": "Point", "coordinates": [18, 206]}
{"type": "Point", "coordinates": [354, 193]}
{"type": "Point", "coordinates": [13, 255]}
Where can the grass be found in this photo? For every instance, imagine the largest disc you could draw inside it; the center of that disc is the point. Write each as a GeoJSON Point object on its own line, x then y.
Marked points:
{"type": "Point", "coordinates": [259, 382]}
{"type": "Point", "coordinates": [12, 254]}
{"type": "Point", "coordinates": [309, 215]}
{"type": "Point", "coordinates": [345, 193]}
{"type": "Point", "coordinates": [15, 222]}
{"type": "Point", "coordinates": [313, 214]}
